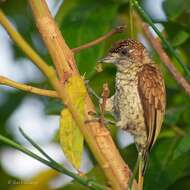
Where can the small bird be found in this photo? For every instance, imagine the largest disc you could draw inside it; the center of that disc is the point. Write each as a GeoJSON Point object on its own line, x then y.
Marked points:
{"type": "Point", "coordinates": [140, 98]}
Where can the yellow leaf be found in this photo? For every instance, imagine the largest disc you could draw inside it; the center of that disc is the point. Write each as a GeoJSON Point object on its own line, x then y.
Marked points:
{"type": "Point", "coordinates": [76, 93]}
{"type": "Point", "coordinates": [38, 182]}
{"type": "Point", "coordinates": [71, 139]}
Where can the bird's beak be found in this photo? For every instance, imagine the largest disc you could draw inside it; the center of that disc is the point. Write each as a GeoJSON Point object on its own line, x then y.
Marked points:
{"type": "Point", "coordinates": [107, 59]}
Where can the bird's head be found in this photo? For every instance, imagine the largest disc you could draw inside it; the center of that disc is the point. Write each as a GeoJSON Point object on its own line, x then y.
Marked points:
{"type": "Point", "coordinates": [124, 53]}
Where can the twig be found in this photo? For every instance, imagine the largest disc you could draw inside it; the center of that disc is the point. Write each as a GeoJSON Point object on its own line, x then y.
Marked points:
{"type": "Point", "coordinates": [35, 145]}
{"type": "Point", "coordinates": [166, 43]}
{"type": "Point", "coordinates": [54, 165]}
{"type": "Point", "coordinates": [105, 95]}
{"type": "Point", "coordinates": [166, 60]}
{"type": "Point", "coordinates": [42, 92]}
{"type": "Point", "coordinates": [116, 30]}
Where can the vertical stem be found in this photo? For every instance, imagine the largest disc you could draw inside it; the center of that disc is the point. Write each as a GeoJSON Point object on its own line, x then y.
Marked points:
{"type": "Point", "coordinates": [131, 19]}
{"type": "Point", "coordinates": [140, 179]}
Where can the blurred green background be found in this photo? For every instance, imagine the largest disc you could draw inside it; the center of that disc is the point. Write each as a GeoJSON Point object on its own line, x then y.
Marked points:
{"type": "Point", "coordinates": [81, 21]}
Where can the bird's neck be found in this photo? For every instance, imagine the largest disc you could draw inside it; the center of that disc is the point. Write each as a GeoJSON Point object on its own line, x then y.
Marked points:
{"type": "Point", "coordinates": [128, 64]}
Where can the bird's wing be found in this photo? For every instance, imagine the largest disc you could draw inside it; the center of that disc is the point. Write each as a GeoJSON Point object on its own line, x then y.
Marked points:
{"type": "Point", "coordinates": [152, 94]}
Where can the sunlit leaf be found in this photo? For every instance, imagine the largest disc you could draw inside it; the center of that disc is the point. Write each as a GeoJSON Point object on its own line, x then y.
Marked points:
{"type": "Point", "coordinates": [77, 93]}
{"type": "Point", "coordinates": [71, 138]}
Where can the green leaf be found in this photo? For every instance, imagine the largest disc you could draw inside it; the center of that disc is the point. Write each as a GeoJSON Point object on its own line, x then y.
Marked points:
{"type": "Point", "coordinates": [172, 115]}
{"type": "Point", "coordinates": [174, 8]}
{"type": "Point", "coordinates": [64, 9]}
{"type": "Point", "coordinates": [163, 171]}
{"type": "Point", "coordinates": [79, 29]}
{"type": "Point", "coordinates": [71, 138]}
{"type": "Point", "coordinates": [54, 107]}
{"type": "Point", "coordinates": [183, 184]}
{"type": "Point", "coordinates": [180, 38]}
{"type": "Point", "coordinates": [129, 154]}
{"type": "Point", "coordinates": [183, 146]}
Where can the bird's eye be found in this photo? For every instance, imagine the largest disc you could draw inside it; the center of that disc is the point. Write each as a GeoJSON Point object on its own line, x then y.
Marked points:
{"type": "Point", "coordinates": [124, 51]}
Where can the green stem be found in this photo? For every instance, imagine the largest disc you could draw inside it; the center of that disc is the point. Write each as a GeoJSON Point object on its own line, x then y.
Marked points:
{"type": "Point", "coordinates": [35, 145]}
{"type": "Point", "coordinates": [166, 43]}
{"type": "Point", "coordinates": [134, 174]}
{"type": "Point", "coordinates": [131, 19]}
{"type": "Point", "coordinates": [54, 165]}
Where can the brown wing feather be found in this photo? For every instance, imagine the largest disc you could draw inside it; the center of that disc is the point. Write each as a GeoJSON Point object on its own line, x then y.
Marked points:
{"type": "Point", "coordinates": [152, 94]}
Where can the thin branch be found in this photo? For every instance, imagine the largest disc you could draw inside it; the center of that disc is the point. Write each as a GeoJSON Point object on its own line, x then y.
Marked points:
{"type": "Point", "coordinates": [35, 145]}
{"type": "Point", "coordinates": [27, 49]}
{"type": "Point", "coordinates": [116, 30]}
{"type": "Point", "coordinates": [102, 146]}
{"type": "Point", "coordinates": [166, 43]}
{"type": "Point", "coordinates": [54, 165]}
{"type": "Point", "coordinates": [27, 88]}
{"type": "Point", "coordinates": [105, 95]}
{"type": "Point", "coordinates": [166, 60]}
{"type": "Point", "coordinates": [90, 183]}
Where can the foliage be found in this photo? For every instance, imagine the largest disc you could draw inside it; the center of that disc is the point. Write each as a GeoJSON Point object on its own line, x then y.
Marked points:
{"type": "Point", "coordinates": [84, 20]}
{"type": "Point", "coordinates": [71, 138]}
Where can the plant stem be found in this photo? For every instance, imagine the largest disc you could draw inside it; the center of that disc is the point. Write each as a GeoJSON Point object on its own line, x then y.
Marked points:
{"type": "Point", "coordinates": [54, 165]}
{"type": "Point", "coordinates": [26, 48]}
{"type": "Point", "coordinates": [28, 88]}
{"type": "Point", "coordinates": [166, 43]}
{"type": "Point", "coordinates": [131, 19]}
{"type": "Point", "coordinates": [35, 145]}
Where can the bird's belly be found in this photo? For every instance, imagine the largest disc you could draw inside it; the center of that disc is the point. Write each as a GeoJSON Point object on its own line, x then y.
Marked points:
{"type": "Point", "coordinates": [129, 112]}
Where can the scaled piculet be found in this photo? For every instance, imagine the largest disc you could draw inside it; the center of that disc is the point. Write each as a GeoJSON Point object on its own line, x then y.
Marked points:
{"type": "Point", "coordinates": [139, 100]}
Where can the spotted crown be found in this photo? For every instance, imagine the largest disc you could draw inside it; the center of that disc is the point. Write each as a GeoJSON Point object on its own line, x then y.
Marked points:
{"type": "Point", "coordinates": [129, 44]}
